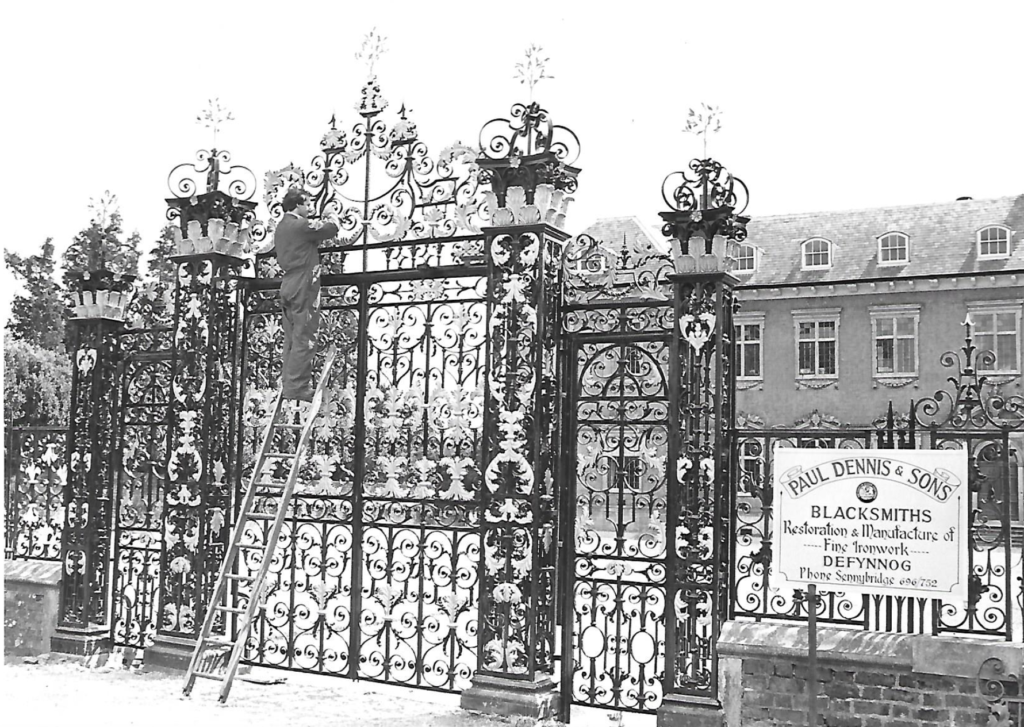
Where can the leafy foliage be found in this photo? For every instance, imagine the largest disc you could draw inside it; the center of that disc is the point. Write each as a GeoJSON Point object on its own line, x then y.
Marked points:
{"type": "Point", "coordinates": [159, 268]}
{"type": "Point", "coordinates": [37, 384]}
{"type": "Point", "coordinates": [38, 315]}
{"type": "Point", "coordinates": [101, 244]}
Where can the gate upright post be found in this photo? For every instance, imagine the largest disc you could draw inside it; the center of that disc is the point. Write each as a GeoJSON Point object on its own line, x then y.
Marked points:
{"type": "Point", "coordinates": [704, 226]}
{"type": "Point", "coordinates": [530, 179]}
{"type": "Point", "coordinates": [83, 623]}
{"type": "Point", "coordinates": [212, 243]}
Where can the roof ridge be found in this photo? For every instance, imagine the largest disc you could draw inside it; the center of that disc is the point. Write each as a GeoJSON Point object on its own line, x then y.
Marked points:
{"type": "Point", "coordinates": [877, 208]}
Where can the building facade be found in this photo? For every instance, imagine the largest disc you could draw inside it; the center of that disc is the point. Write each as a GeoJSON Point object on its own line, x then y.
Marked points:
{"type": "Point", "coordinates": [845, 312]}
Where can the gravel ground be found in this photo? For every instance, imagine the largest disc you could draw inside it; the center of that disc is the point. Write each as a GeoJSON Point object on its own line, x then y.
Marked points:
{"type": "Point", "coordinates": [61, 692]}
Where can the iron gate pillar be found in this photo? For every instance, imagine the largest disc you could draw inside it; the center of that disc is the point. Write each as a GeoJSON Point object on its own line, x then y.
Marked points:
{"type": "Point", "coordinates": [202, 430]}
{"type": "Point", "coordinates": [83, 623]}
{"type": "Point", "coordinates": [530, 180]}
{"type": "Point", "coordinates": [704, 227]}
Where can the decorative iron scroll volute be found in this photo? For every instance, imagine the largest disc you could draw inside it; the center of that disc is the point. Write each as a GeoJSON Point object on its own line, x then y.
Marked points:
{"type": "Point", "coordinates": [972, 404]}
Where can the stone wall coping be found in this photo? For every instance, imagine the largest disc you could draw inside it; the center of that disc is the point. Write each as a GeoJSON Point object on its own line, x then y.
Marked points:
{"type": "Point", "coordinates": [42, 572]}
{"type": "Point", "coordinates": [922, 654]}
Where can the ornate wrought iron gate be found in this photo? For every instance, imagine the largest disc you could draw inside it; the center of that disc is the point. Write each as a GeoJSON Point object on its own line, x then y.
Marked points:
{"type": "Point", "coordinates": [141, 454]}
{"type": "Point", "coordinates": [645, 516]}
{"type": "Point", "coordinates": [376, 574]}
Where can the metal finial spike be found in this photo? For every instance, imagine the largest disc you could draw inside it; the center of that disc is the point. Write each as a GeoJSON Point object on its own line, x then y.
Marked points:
{"type": "Point", "coordinates": [334, 122]}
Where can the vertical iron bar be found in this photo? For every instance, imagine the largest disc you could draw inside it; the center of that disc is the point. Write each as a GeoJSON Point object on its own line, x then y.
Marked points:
{"type": "Point", "coordinates": [358, 474]}
{"type": "Point", "coordinates": [568, 527]}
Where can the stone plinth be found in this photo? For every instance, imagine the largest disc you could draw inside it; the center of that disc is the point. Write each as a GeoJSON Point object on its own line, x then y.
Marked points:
{"type": "Point", "coordinates": [537, 699]}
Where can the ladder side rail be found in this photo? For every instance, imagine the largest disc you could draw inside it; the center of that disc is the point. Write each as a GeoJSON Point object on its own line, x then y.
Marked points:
{"type": "Point", "coordinates": [227, 564]}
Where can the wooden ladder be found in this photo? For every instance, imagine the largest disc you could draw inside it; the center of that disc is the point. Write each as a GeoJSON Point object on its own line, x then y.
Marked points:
{"type": "Point", "coordinates": [210, 648]}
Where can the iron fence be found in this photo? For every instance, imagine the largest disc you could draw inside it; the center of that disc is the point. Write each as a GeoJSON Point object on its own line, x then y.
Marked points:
{"type": "Point", "coordinates": [35, 475]}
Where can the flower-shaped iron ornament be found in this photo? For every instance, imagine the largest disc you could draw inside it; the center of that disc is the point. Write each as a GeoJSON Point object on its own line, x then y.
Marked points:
{"type": "Point", "coordinates": [527, 150]}
{"type": "Point", "coordinates": [705, 220]}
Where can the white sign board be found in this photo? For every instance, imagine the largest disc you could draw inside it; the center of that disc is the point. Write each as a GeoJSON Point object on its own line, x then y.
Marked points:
{"type": "Point", "coordinates": [883, 521]}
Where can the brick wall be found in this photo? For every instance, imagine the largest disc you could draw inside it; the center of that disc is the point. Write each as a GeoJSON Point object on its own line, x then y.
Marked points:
{"type": "Point", "coordinates": [864, 679]}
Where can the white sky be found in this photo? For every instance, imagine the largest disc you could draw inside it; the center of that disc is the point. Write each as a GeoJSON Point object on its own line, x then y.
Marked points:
{"type": "Point", "coordinates": [825, 105]}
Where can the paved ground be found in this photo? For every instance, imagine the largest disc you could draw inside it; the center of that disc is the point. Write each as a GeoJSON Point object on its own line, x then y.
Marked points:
{"type": "Point", "coordinates": [57, 692]}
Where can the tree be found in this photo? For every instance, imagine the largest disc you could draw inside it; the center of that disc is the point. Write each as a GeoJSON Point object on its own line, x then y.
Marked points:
{"type": "Point", "coordinates": [38, 315]}
{"type": "Point", "coordinates": [37, 384]}
{"type": "Point", "coordinates": [159, 268]}
{"type": "Point", "coordinates": [100, 245]}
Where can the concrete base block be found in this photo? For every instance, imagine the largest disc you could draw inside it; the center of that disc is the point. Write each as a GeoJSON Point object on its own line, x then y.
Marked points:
{"type": "Point", "coordinates": [92, 642]}
{"type": "Point", "coordinates": [169, 654]}
{"type": "Point", "coordinates": [537, 699]}
{"type": "Point", "coordinates": [690, 712]}
{"type": "Point", "coordinates": [30, 606]}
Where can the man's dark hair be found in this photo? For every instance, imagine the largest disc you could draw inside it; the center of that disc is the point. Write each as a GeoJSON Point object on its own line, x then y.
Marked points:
{"type": "Point", "coordinates": [292, 199]}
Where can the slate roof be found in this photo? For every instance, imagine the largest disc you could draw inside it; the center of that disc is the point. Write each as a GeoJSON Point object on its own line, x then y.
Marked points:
{"type": "Point", "coordinates": [614, 230]}
{"type": "Point", "coordinates": [943, 241]}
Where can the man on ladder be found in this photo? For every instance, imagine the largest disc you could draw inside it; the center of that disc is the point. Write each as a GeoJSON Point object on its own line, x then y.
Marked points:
{"type": "Point", "coordinates": [296, 243]}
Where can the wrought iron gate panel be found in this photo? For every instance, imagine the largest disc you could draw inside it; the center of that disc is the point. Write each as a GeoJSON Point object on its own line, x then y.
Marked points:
{"type": "Point", "coordinates": [307, 619]}
{"type": "Point", "coordinates": [425, 350]}
{"type": "Point", "coordinates": [620, 416]}
{"type": "Point", "coordinates": [994, 561]}
{"type": "Point", "coordinates": [375, 575]}
{"type": "Point", "coordinates": [141, 475]}
{"type": "Point", "coordinates": [36, 474]}
{"type": "Point", "coordinates": [752, 553]}
{"type": "Point", "coordinates": [991, 559]}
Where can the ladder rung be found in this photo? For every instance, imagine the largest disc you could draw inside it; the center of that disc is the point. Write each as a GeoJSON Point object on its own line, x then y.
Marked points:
{"type": "Point", "coordinates": [262, 515]}
{"type": "Point", "coordinates": [279, 455]}
{"type": "Point", "coordinates": [289, 426]}
{"type": "Point", "coordinates": [238, 577]}
{"type": "Point", "coordinates": [219, 641]}
{"type": "Point", "coordinates": [207, 675]}
{"type": "Point", "coordinates": [230, 609]}
{"type": "Point", "coordinates": [273, 485]}
{"type": "Point", "coordinates": [251, 546]}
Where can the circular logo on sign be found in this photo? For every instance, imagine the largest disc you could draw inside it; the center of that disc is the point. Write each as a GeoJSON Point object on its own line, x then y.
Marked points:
{"type": "Point", "coordinates": [867, 492]}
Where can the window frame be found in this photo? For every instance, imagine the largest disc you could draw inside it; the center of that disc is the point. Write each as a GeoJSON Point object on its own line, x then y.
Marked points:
{"type": "Point", "coordinates": [892, 312]}
{"type": "Point", "coordinates": [995, 256]}
{"type": "Point", "coordinates": [748, 319]}
{"type": "Point", "coordinates": [755, 255]}
{"type": "Point", "coordinates": [816, 316]}
{"type": "Point", "coordinates": [829, 247]}
{"type": "Point", "coordinates": [977, 309]}
{"type": "Point", "coordinates": [906, 246]}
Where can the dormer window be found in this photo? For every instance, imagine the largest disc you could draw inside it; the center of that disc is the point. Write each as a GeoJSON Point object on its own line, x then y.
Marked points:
{"type": "Point", "coordinates": [993, 242]}
{"type": "Point", "coordinates": [746, 259]}
{"type": "Point", "coordinates": [817, 254]}
{"type": "Point", "coordinates": [893, 249]}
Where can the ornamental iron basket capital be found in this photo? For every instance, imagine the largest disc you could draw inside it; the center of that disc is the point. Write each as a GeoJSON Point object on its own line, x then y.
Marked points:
{"type": "Point", "coordinates": [705, 220]}
{"type": "Point", "coordinates": [220, 220]}
{"type": "Point", "coordinates": [527, 151]}
{"type": "Point", "coordinates": [101, 294]}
